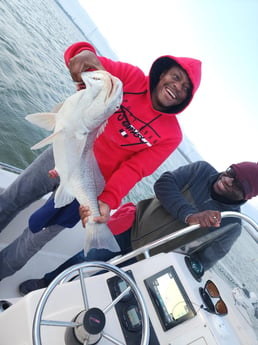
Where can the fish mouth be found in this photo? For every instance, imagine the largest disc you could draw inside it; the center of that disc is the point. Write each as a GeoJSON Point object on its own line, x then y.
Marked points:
{"type": "Point", "coordinates": [110, 83]}
{"type": "Point", "coordinates": [111, 86]}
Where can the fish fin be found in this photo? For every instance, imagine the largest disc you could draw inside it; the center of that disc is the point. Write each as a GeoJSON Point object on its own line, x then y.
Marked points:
{"type": "Point", "coordinates": [62, 198]}
{"type": "Point", "coordinates": [48, 140]}
{"type": "Point", "coordinates": [98, 235]}
{"type": "Point", "coordinates": [43, 120]}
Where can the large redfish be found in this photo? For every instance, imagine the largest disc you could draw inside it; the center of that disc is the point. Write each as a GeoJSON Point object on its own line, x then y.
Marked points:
{"type": "Point", "coordinates": [76, 125]}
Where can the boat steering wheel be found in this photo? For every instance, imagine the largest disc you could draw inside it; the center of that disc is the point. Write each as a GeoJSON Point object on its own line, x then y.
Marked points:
{"type": "Point", "coordinates": [85, 331]}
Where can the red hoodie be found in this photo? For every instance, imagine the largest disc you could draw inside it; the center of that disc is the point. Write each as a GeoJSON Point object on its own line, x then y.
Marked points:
{"type": "Point", "coordinates": [137, 138]}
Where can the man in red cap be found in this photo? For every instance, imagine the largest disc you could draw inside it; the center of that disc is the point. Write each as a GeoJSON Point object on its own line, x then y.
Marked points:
{"type": "Point", "coordinates": [192, 194]}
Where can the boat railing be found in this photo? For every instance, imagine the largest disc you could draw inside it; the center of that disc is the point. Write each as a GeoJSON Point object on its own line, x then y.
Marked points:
{"type": "Point", "coordinates": [10, 168]}
{"type": "Point", "coordinates": [145, 250]}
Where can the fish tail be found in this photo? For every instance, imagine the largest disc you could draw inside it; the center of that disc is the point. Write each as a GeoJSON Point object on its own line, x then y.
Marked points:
{"type": "Point", "coordinates": [98, 235]}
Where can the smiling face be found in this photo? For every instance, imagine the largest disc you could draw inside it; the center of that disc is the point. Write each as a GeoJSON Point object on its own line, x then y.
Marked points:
{"type": "Point", "coordinates": [228, 186]}
{"type": "Point", "coordinates": [172, 89]}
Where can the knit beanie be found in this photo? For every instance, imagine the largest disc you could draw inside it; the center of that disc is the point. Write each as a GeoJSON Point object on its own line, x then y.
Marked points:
{"type": "Point", "coordinates": [122, 219]}
{"type": "Point", "coordinates": [247, 175]}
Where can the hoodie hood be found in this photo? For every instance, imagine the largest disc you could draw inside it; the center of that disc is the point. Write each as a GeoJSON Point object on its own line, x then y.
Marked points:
{"type": "Point", "coordinates": [191, 66]}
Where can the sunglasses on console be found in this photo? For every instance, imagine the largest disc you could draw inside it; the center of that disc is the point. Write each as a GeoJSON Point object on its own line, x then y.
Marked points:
{"type": "Point", "coordinates": [212, 299]}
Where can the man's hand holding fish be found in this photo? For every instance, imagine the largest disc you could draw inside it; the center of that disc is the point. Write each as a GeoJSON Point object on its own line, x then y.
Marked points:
{"type": "Point", "coordinates": [104, 211]}
{"type": "Point", "coordinates": [82, 62]}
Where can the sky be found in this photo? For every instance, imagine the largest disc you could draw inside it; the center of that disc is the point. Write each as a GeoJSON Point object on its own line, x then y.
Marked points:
{"type": "Point", "coordinates": [222, 121]}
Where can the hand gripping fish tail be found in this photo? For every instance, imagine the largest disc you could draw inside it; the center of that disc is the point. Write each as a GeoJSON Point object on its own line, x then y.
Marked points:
{"type": "Point", "coordinates": [76, 125]}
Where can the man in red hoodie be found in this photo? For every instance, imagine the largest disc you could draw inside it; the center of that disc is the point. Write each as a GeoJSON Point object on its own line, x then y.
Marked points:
{"type": "Point", "coordinates": [137, 138]}
{"type": "Point", "coordinates": [144, 131]}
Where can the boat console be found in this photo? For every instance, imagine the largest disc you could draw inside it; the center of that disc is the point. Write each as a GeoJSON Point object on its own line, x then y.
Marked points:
{"type": "Point", "coordinates": [163, 299]}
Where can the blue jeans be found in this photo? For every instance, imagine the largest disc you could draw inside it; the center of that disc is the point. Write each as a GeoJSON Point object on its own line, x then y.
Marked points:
{"type": "Point", "coordinates": [124, 242]}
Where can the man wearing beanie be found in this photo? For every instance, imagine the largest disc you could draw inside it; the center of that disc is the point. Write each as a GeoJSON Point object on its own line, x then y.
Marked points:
{"type": "Point", "coordinates": [196, 194]}
{"type": "Point", "coordinates": [192, 194]}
